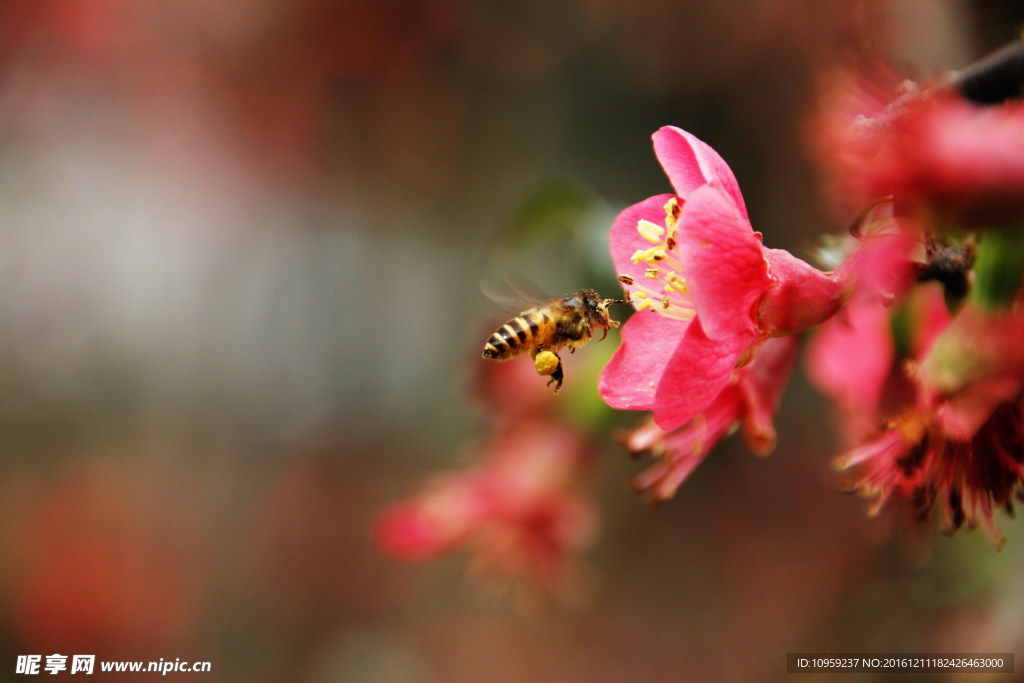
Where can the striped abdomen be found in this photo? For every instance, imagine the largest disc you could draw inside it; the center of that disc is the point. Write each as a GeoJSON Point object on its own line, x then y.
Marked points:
{"type": "Point", "coordinates": [526, 331]}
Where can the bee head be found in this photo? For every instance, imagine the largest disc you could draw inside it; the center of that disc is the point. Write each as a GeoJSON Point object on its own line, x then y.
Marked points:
{"type": "Point", "coordinates": [597, 308]}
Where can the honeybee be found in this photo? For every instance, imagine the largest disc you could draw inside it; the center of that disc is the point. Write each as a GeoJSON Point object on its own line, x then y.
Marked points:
{"type": "Point", "coordinates": [544, 330]}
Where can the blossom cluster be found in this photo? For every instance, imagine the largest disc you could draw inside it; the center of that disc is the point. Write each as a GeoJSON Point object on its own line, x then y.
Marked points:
{"type": "Point", "coordinates": [915, 325]}
{"type": "Point", "coordinates": [919, 318]}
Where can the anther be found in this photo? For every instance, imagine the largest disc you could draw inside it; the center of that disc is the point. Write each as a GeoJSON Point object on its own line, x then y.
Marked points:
{"type": "Point", "coordinates": [673, 208]}
{"type": "Point", "coordinates": [651, 232]}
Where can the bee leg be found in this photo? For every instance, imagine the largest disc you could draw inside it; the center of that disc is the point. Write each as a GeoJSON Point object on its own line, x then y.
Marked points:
{"type": "Point", "coordinates": [548, 363]}
{"type": "Point", "coordinates": [557, 377]}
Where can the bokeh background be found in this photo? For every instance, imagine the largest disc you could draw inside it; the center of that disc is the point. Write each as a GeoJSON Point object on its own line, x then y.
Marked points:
{"type": "Point", "coordinates": [241, 253]}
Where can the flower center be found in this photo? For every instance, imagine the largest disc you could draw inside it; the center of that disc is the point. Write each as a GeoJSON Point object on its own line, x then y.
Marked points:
{"type": "Point", "coordinates": [663, 288]}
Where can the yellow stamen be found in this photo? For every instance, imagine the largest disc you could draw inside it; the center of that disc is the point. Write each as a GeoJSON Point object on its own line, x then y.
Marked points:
{"type": "Point", "coordinates": [654, 254]}
{"type": "Point", "coordinates": [651, 232]}
{"type": "Point", "coordinates": [672, 209]}
{"type": "Point", "coordinates": [671, 296]}
{"type": "Point", "coordinates": [678, 287]}
{"type": "Point", "coordinates": [673, 212]}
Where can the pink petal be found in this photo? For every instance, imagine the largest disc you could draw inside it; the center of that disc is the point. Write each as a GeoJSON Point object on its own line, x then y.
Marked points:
{"type": "Point", "coordinates": [932, 316]}
{"type": "Point", "coordinates": [406, 531]}
{"type": "Point", "coordinates": [625, 240]}
{"type": "Point", "coordinates": [687, 447]}
{"type": "Point", "coordinates": [722, 262]}
{"type": "Point", "coordinates": [697, 372]}
{"type": "Point", "coordinates": [691, 163]}
{"type": "Point", "coordinates": [703, 432]}
{"type": "Point", "coordinates": [664, 479]}
{"type": "Point", "coordinates": [761, 384]}
{"type": "Point", "coordinates": [850, 358]}
{"type": "Point", "coordinates": [978, 345]}
{"type": "Point", "coordinates": [802, 297]}
{"type": "Point", "coordinates": [962, 415]}
{"type": "Point", "coordinates": [649, 341]}
{"type": "Point", "coordinates": [960, 157]}
{"type": "Point", "coordinates": [884, 452]}
{"type": "Point", "coordinates": [884, 262]}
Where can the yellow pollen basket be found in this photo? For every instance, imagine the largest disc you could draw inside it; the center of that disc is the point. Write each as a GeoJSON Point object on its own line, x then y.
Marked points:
{"type": "Point", "coordinates": [545, 363]}
{"type": "Point", "coordinates": [664, 290]}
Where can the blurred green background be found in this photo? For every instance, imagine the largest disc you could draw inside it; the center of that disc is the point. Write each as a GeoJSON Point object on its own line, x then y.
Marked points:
{"type": "Point", "coordinates": [241, 254]}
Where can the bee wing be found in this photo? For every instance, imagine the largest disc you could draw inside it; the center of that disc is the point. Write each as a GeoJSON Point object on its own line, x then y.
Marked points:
{"type": "Point", "coordinates": [513, 294]}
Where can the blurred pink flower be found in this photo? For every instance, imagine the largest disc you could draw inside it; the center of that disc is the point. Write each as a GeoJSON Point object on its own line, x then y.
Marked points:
{"type": "Point", "coordinates": [525, 510]}
{"type": "Point", "coordinates": [938, 154]}
{"type": "Point", "coordinates": [959, 445]}
{"type": "Point", "coordinates": [853, 358]}
{"type": "Point", "coordinates": [522, 511]}
{"type": "Point", "coordinates": [929, 386]}
{"type": "Point", "coordinates": [709, 293]}
{"type": "Point", "coordinates": [974, 365]}
{"type": "Point", "coordinates": [850, 358]}
{"type": "Point", "coordinates": [966, 480]}
{"type": "Point", "coordinates": [749, 400]}
{"type": "Point", "coordinates": [946, 154]}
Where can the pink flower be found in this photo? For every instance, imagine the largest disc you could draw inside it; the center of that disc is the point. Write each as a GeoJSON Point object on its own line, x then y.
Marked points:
{"type": "Point", "coordinates": [967, 481]}
{"type": "Point", "coordinates": [939, 155]}
{"type": "Point", "coordinates": [749, 400]}
{"type": "Point", "coordinates": [929, 380]}
{"type": "Point", "coordinates": [975, 364]}
{"type": "Point", "coordinates": [850, 359]}
{"type": "Point", "coordinates": [959, 445]}
{"type": "Point", "coordinates": [522, 512]}
{"type": "Point", "coordinates": [853, 357]}
{"type": "Point", "coordinates": [963, 159]}
{"type": "Point", "coordinates": [944, 153]}
{"type": "Point", "coordinates": [709, 294]}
